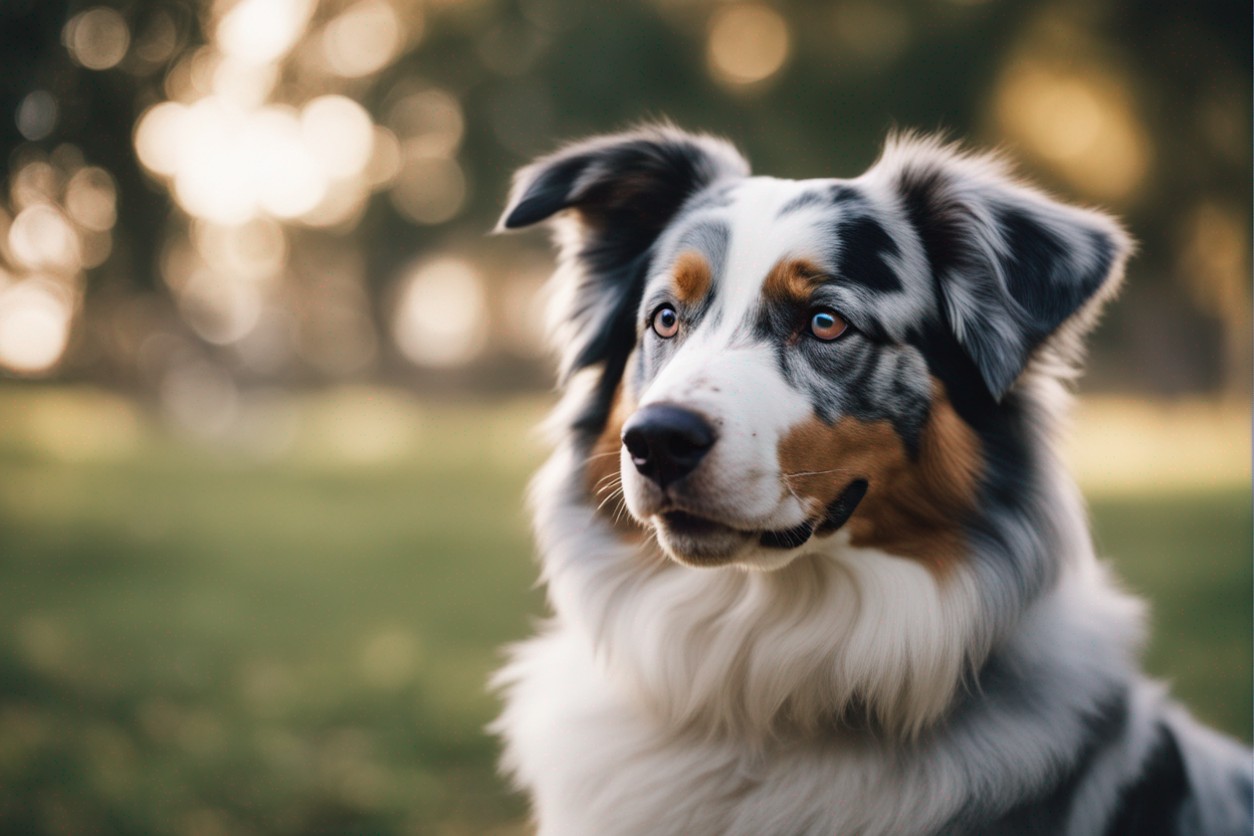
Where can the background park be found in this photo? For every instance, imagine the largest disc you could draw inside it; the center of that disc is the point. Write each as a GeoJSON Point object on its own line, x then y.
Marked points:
{"type": "Point", "coordinates": [268, 390]}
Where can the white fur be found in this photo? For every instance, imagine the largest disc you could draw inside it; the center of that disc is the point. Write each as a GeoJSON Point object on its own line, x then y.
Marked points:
{"type": "Point", "coordinates": [666, 700]}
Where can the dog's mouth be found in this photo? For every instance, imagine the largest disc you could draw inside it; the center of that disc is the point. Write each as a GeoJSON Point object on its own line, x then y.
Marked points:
{"type": "Point", "coordinates": [698, 540]}
{"type": "Point", "coordinates": [690, 525]}
{"type": "Point", "coordinates": [704, 541]}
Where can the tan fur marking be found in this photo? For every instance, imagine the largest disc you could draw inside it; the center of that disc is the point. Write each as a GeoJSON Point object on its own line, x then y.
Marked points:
{"type": "Point", "coordinates": [912, 508]}
{"type": "Point", "coordinates": [793, 281]}
{"type": "Point", "coordinates": [692, 277]}
{"type": "Point", "coordinates": [602, 472]}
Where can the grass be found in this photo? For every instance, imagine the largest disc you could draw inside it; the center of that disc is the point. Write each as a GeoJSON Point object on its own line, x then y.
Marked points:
{"type": "Point", "coordinates": [293, 636]}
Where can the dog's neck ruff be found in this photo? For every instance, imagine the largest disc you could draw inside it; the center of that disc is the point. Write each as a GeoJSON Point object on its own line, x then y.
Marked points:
{"type": "Point", "coordinates": [849, 651]}
{"type": "Point", "coordinates": [839, 638]}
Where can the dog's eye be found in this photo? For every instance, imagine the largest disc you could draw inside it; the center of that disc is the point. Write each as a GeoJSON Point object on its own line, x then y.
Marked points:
{"type": "Point", "coordinates": [827, 325]}
{"type": "Point", "coordinates": [665, 322]}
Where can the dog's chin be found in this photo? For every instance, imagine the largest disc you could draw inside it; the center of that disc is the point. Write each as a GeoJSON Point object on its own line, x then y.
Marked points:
{"type": "Point", "coordinates": [698, 541]}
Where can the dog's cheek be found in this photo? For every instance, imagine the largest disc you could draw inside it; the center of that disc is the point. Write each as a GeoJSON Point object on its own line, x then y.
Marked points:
{"type": "Point", "coordinates": [915, 505]}
{"type": "Point", "coordinates": [605, 471]}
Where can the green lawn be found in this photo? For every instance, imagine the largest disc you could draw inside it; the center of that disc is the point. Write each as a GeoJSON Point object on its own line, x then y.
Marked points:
{"type": "Point", "coordinates": [195, 640]}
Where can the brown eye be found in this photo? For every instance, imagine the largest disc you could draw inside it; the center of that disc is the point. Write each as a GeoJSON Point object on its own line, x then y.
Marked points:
{"type": "Point", "coordinates": [827, 325]}
{"type": "Point", "coordinates": [665, 322]}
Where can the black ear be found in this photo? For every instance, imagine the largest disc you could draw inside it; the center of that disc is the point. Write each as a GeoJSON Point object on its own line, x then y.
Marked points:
{"type": "Point", "coordinates": [621, 192]}
{"type": "Point", "coordinates": [639, 178]}
{"type": "Point", "coordinates": [1012, 266]}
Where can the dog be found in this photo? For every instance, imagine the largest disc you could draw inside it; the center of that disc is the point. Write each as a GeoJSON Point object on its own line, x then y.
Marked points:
{"type": "Point", "coordinates": [814, 564]}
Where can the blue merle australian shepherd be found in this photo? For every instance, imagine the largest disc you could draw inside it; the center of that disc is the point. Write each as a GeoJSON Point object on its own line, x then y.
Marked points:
{"type": "Point", "coordinates": [814, 564]}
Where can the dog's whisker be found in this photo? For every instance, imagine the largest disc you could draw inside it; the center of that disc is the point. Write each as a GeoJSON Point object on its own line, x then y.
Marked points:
{"type": "Point", "coordinates": [616, 494]}
{"type": "Point", "coordinates": [609, 482]}
{"type": "Point", "coordinates": [596, 456]}
{"type": "Point", "coordinates": [799, 473]}
{"type": "Point", "coordinates": [608, 479]}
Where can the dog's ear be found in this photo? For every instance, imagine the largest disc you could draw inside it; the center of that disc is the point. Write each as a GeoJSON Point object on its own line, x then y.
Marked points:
{"type": "Point", "coordinates": [622, 190]}
{"type": "Point", "coordinates": [636, 179]}
{"type": "Point", "coordinates": [1012, 266]}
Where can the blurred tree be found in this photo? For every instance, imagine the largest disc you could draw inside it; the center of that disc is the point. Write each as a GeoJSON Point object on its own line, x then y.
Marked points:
{"type": "Point", "coordinates": [1140, 106]}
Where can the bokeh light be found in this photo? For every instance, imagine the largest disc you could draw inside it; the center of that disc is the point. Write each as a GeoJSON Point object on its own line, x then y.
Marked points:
{"type": "Point", "coordinates": [262, 31]}
{"type": "Point", "coordinates": [34, 326]}
{"type": "Point", "coordinates": [37, 115]}
{"type": "Point", "coordinates": [40, 238]}
{"type": "Point", "coordinates": [1079, 122]}
{"type": "Point", "coordinates": [339, 133]}
{"type": "Point", "coordinates": [97, 38]}
{"type": "Point", "coordinates": [365, 38]}
{"type": "Point", "coordinates": [428, 121]}
{"type": "Point", "coordinates": [34, 182]}
{"type": "Point", "coordinates": [429, 189]}
{"type": "Point", "coordinates": [256, 250]}
{"type": "Point", "coordinates": [220, 308]}
{"type": "Point", "coordinates": [440, 316]}
{"type": "Point", "coordinates": [91, 199]}
{"type": "Point", "coordinates": [158, 139]}
{"type": "Point", "coordinates": [748, 43]}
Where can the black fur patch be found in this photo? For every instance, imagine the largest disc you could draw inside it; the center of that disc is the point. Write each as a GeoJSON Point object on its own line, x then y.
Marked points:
{"type": "Point", "coordinates": [842, 508]}
{"type": "Point", "coordinates": [788, 539]}
{"type": "Point", "coordinates": [1151, 805]}
{"type": "Point", "coordinates": [831, 196]}
{"type": "Point", "coordinates": [1047, 813]}
{"type": "Point", "coordinates": [864, 248]}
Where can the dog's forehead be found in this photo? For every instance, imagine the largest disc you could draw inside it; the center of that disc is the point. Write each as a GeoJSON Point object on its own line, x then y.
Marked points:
{"type": "Point", "coordinates": [847, 229]}
{"type": "Point", "coordinates": [757, 217]}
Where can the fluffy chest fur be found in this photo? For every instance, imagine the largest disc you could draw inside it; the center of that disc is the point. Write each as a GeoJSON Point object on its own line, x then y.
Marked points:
{"type": "Point", "coordinates": [812, 563]}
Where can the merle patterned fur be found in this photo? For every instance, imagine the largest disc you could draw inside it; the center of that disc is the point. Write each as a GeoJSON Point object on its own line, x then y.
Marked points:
{"type": "Point", "coordinates": [1007, 283]}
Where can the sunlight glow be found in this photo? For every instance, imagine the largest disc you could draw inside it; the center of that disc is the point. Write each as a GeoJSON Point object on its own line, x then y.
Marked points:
{"type": "Point", "coordinates": [36, 182]}
{"type": "Point", "coordinates": [97, 38]}
{"type": "Point", "coordinates": [219, 308]}
{"type": "Point", "coordinates": [1081, 123]}
{"type": "Point", "coordinates": [428, 122]}
{"type": "Point", "coordinates": [230, 163]}
{"type": "Point", "coordinates": [288, 178]}
{"type": "Point", "coordinates": [364, 38]}
{"type": "Point", "coordinates": [429, 190]}
{"type": "Point", "coordinates": [158, 137]}
{"type": "Point", "coordinates": [254, 251]}
{"type": "Point", "coordinates": [441, 314]}
{"type": "Point", "coordinates": [34, 326]}
{"type": "Point", "coordinates": [42, 239]}
{"type": "Point", "coordinates": [748, 43]}
{"type": "Point", "coordinates": [262, 31]}
{"type": "Point", "coordinates": [91, 199]}
{"type": "Point", "coordinates": [339, 132]}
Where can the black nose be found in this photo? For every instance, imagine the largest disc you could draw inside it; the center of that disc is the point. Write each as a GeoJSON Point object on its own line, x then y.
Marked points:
{"type": "Point", "coordinates": [666, 442]}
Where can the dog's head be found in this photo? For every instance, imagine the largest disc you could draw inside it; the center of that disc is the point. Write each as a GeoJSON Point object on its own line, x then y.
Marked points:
{"type": "Point", "coordinates": [777, 361]}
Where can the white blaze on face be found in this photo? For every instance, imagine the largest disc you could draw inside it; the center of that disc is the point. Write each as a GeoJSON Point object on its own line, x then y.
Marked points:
{"type": "Point", "coordinates": [760, 239]}
{"type": "Point", "coordinates": [734, 381]}
{"type": "Point", "coordinates": [743, 395]}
